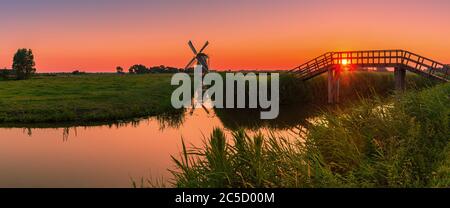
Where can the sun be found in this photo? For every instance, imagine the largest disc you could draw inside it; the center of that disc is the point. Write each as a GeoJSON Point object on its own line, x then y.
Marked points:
{"type": "Point", "coordinates": [344, 62]}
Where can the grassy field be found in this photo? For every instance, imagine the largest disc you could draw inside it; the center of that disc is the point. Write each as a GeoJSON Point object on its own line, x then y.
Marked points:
{"type": "Point", "coordinates": [84, 98]}
{"type": "Point", "coordinates": [377, 143]}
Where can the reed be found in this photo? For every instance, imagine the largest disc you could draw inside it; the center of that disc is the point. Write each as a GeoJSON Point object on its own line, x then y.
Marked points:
{"type": "Point", "coordinates": [376, 143]}
{"type": "Point", "coordinates": [353, 85]}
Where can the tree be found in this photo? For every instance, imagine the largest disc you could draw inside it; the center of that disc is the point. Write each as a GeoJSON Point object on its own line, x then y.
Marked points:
{"type": "Point", "coordinates": [164, 69]}
{"type": "Point", "coordinates": [78, 72]}
{"type": "Point", "coordinates": [119, 70]}
{"type": "Point", "coordinates": [23, 63]}
{"type": "Point", "coordinates": [138, 69]}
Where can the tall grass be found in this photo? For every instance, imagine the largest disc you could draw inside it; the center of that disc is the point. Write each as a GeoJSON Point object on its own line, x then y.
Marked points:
{"type": "Point", "coordinates": [396, 143]}
{"type": "Point", "coordinates": [302, 99]}
{"type": "Point", "coordinates": [353, 85]}
{"type": "Point", "coordinates": [252, 161]}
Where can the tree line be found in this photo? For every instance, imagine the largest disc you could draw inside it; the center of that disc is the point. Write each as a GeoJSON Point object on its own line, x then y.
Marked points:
{"type": "Point", "coordinates": [142, 69]}
{"type": "Point", "coordinates": [23, 67]}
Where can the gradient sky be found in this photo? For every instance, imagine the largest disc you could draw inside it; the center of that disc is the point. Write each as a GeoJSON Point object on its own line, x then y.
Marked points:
{"type": "Point", "coordinates": [98, 35]}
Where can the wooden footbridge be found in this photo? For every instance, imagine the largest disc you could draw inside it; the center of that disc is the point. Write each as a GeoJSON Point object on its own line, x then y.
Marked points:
{"type": "Point", "coordinates": [401, 60]}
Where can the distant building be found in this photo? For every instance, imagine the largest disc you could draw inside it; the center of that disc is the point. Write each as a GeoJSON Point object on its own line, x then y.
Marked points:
{"type": "Point", "coordinates": [8, 73]}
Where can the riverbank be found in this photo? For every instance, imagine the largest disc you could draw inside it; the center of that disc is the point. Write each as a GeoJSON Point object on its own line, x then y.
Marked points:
{"type": "Point", "coordinates": [403, 143]}
{"type": "Point", "coordinates": [83, 99]}
{"type": "Point", "coordinates": [89, 99]}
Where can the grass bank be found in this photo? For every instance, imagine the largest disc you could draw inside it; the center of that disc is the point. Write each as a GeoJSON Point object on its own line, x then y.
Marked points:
{"type": "Point", "coordinates": [93, 98]}
{"type": "Point", "coordinates": [395, 143]}
{"type": "Point", "coordinates": [84, 98]}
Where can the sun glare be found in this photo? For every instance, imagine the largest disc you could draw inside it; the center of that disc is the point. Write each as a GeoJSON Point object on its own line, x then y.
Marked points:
{"type": "Point", "coordinates": [344, 62]}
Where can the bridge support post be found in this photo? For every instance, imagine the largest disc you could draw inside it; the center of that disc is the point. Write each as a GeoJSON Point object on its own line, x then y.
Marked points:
{"type": "Point", "coordinates": [334, 76]}
{"type": "Point", "coordinates": [337, 86]}
{"type": "Point", "coordinates": [330, 86]}
{"type": "Point", "coordinates": [400, 79]}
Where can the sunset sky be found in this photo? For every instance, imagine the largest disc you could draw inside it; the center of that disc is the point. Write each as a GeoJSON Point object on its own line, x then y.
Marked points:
{"type": "Point", "coordinates": [98, 35]}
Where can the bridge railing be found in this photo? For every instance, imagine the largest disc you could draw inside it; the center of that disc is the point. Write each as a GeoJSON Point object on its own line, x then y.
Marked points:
{"type": "Point", "coordinates": [368, 58]}
{"type": "Point", "coordinates": [315, 66]}
{"type": "Point", "coordinates": [424, 65]}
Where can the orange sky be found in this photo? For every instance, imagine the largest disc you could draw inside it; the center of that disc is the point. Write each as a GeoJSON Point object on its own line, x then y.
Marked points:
{"type": "Point", "coordinates": [99, 35]}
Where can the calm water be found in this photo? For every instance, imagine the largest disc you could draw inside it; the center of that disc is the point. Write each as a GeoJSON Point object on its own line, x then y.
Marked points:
{"type": "Point", "coordinates": [110, 155]}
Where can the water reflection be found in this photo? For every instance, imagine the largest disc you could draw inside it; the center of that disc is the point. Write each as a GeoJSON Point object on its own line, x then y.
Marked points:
{"type": "Point", "coordinates": [109, 155]}
{"type": "Point", "coordinates": [172, 120]}
{"type": "Point", "coordinates": [290, 117]}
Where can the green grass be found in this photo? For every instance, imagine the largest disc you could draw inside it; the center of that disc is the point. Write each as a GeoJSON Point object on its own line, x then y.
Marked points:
{"type": "Point", "coordinates": [397, 142]}
{"type": "Point", "coordinates": [84, 98]}
{"type": "Point", "coordinates": [92, 98]}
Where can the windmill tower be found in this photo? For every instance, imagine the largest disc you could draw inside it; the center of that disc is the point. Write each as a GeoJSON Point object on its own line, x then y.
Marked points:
{"type": "Point", "coordinates": [200, 57]}
{"type": "Point", "coordinates": [203, 60]}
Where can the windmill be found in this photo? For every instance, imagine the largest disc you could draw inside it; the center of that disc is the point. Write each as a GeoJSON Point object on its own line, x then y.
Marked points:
{"type": "Point", "coordinates": [203, 60]}
{"type": "Point", "coordinates": [200, 57]}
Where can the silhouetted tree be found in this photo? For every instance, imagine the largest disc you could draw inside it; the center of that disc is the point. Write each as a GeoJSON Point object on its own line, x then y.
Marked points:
{"type": "Point", "coordinates": [164, 69]}
{"type": "Point", "coordinates": [157, 69]}
{"type": "Point", "coordinates": [138, 69]}
{"type": "Point", "coordinates": [78, 72]}
{"type": "Point", "coordinates": [172, 70]}
{"type": "Point", "coordinates": [191, 70]}
{"type": "Point", "coordinates": [141, 69]}
{"type": "Point", "coordinates": [119, 70]}
{"type": "Point", "coordinates": [23, 63]}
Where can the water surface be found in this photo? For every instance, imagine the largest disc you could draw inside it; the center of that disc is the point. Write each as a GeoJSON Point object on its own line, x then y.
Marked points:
{"type": "Point", "coordinates": [110, 155]}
